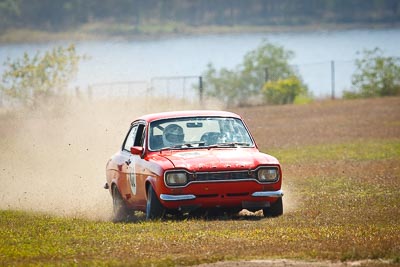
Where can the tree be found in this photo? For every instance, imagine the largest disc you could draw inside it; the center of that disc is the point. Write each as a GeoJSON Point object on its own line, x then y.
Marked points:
{"type": "Point", "coordinates": [61, 15]}
{"type": "Point", "coordinates": [240, 86]}
{"type": "Point", "coordinates": [9, 12]}
{"type": "Point", "coordinates": [375, 75]}
{"type": "Point", "coordinates": [28, 80]}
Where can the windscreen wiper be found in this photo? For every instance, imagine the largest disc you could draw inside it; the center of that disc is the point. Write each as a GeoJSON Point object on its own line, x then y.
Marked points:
{"type": "Point", "coordinates": [194, 144]}
{"type": "Point", "coordinates": [230, 144]}
{"type": "Point", "coordinates": [185, 145]}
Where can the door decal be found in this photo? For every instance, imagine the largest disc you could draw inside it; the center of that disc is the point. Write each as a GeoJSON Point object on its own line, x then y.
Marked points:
{"type": "Point", "coordinates": [132, 179]}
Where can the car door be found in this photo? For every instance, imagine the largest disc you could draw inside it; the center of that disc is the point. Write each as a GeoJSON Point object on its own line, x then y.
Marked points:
{"type": "Point", "coordinates": [134, 163]}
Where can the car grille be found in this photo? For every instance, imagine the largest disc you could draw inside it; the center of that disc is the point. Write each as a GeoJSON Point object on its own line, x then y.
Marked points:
{"type": "Point", "coordinates": [222, 176]}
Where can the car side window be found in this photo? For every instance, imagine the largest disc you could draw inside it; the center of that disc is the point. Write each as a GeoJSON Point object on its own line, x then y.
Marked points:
{"type": "Point", "coordinates": [134, 137]}
{"type": "Point", "coordinates": [130, 139]}
{"type": "Point", "coordinates": [139, 136]}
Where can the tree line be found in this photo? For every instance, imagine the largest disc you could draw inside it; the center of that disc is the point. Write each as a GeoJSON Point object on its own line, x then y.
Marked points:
{"type": "Point", "coordinates": [59, 15]}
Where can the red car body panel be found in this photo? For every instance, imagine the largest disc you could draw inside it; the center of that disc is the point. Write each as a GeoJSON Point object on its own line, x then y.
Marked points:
{"type": "Point", "coordinates": [132, 174]}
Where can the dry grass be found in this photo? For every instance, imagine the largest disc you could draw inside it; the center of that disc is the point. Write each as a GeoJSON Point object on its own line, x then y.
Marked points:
{"type": "Point", "coordinates": [328, 122]}
{"type": "Point", "coordinates": [341, 163]}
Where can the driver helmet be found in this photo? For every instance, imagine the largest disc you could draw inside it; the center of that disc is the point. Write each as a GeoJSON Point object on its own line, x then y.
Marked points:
{"type": "Point", "coordinates": [173, 135]}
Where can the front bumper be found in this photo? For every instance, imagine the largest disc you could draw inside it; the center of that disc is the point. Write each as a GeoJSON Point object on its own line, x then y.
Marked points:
{"type": "Point", "coordinates": [167, 197]}
{"type": "Point", "coordinates": [278, 193]}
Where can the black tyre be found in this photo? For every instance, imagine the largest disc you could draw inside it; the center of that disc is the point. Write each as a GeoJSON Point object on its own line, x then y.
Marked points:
{"type": "Point", "coordinates": [198, 213]}
{"type": "Point", "coordinates": [233, 211]}
{"type": "Point", "coordinates": [154, 209]}
{"type": "Point", "coordinates": [120, 211]}
{"type": "Point", "coordinates": [275, 210]}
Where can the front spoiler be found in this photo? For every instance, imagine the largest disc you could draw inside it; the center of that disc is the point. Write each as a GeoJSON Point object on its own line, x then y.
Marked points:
{"type": "Point", "coordinates": [167, 197]}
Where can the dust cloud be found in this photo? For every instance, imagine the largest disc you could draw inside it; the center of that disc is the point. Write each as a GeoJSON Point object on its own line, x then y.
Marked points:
{"type": "Point", "coordinates": [53, 157]}
{"type": "Point", "coordinates": [290, 202]}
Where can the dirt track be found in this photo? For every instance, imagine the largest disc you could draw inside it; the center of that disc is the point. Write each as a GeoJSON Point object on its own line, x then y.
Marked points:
{"type": "Point", "coordinates": [323, 122]}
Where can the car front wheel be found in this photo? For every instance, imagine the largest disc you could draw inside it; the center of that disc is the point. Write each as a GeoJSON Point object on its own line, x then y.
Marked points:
{"type": "Point", "coordinates": [154, 209]}
{"type": "Point", "coordinates": [275, 210]}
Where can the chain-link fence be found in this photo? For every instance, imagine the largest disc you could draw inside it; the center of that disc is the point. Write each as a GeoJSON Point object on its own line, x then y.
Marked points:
{"type": "Point", "coordinates": [118, 89]}
{"type": "Point", "coordinates": [327, 79]}
{"type": "Point", "coordinates": [177, 87]}
{"type": "Point", "coordinates": [181, 87]}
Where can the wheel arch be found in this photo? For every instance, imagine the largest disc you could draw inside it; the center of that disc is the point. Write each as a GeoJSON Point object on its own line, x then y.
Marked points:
{"type": "Point", "coordinates": [150, 181]}
{"type": "Point", "coordinates": [112, 187]}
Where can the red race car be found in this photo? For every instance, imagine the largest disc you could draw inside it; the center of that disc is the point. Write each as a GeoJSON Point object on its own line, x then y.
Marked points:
{"type": "Point", "coordinates": [192, 162]}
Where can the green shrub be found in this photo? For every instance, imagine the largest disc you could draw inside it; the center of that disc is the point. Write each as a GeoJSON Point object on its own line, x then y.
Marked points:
{"type": "Point", "coordinates": [30, 79]}
{"type": "Point", "coordinates": [376, 75]}
{"type": "Point", "coordinates": [304, 98]}
{"type": "Point", "coordinates": [243, 85]}
{"type": "Point", "coordinates": [283, 91]}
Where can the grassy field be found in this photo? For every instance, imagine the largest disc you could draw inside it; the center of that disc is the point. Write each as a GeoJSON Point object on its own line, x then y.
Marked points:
{"type": "Point", "coordinates": [341, 167]}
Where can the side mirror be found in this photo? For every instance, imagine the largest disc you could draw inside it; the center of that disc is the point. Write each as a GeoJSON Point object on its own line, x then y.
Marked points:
{"type": "Point", "coordinates": [137, 150]}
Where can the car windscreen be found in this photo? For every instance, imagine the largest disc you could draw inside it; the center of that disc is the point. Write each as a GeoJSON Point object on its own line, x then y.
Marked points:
{"type": "Point", "coordinates": [197, 132]}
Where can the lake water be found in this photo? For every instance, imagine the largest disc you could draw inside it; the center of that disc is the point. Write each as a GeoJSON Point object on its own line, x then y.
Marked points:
{"type": "Point", "coordinates": [123, 61]}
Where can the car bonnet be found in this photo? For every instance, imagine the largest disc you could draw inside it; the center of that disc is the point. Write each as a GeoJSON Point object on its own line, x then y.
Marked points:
{"type": "Point", "coordinates": [218, 159]}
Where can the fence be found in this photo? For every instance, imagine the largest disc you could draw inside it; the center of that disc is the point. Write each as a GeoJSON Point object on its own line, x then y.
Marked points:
{"type": "Point", "coordinates": [118, 89]}
{"type": "Point", "coordinates": [180, 87]}
{"type": "Point", "coordinates": [185, 87]}
{"type": "Point", "coordinates": [327, 79]}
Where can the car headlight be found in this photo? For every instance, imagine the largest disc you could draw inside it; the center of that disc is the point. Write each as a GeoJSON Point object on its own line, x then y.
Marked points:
{"type": "Point", "coordinates": [268, 174]}
{"type": "Point", "coordinates": [176, 178]}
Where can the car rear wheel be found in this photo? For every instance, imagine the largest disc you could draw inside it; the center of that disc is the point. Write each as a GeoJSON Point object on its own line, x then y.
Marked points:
{"type": "Point", "coordinates": [154, 209]}
{"type": "Point", "coordinates": [275, 210]}
{"type": "Point", "coordinates": [120, 211]}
